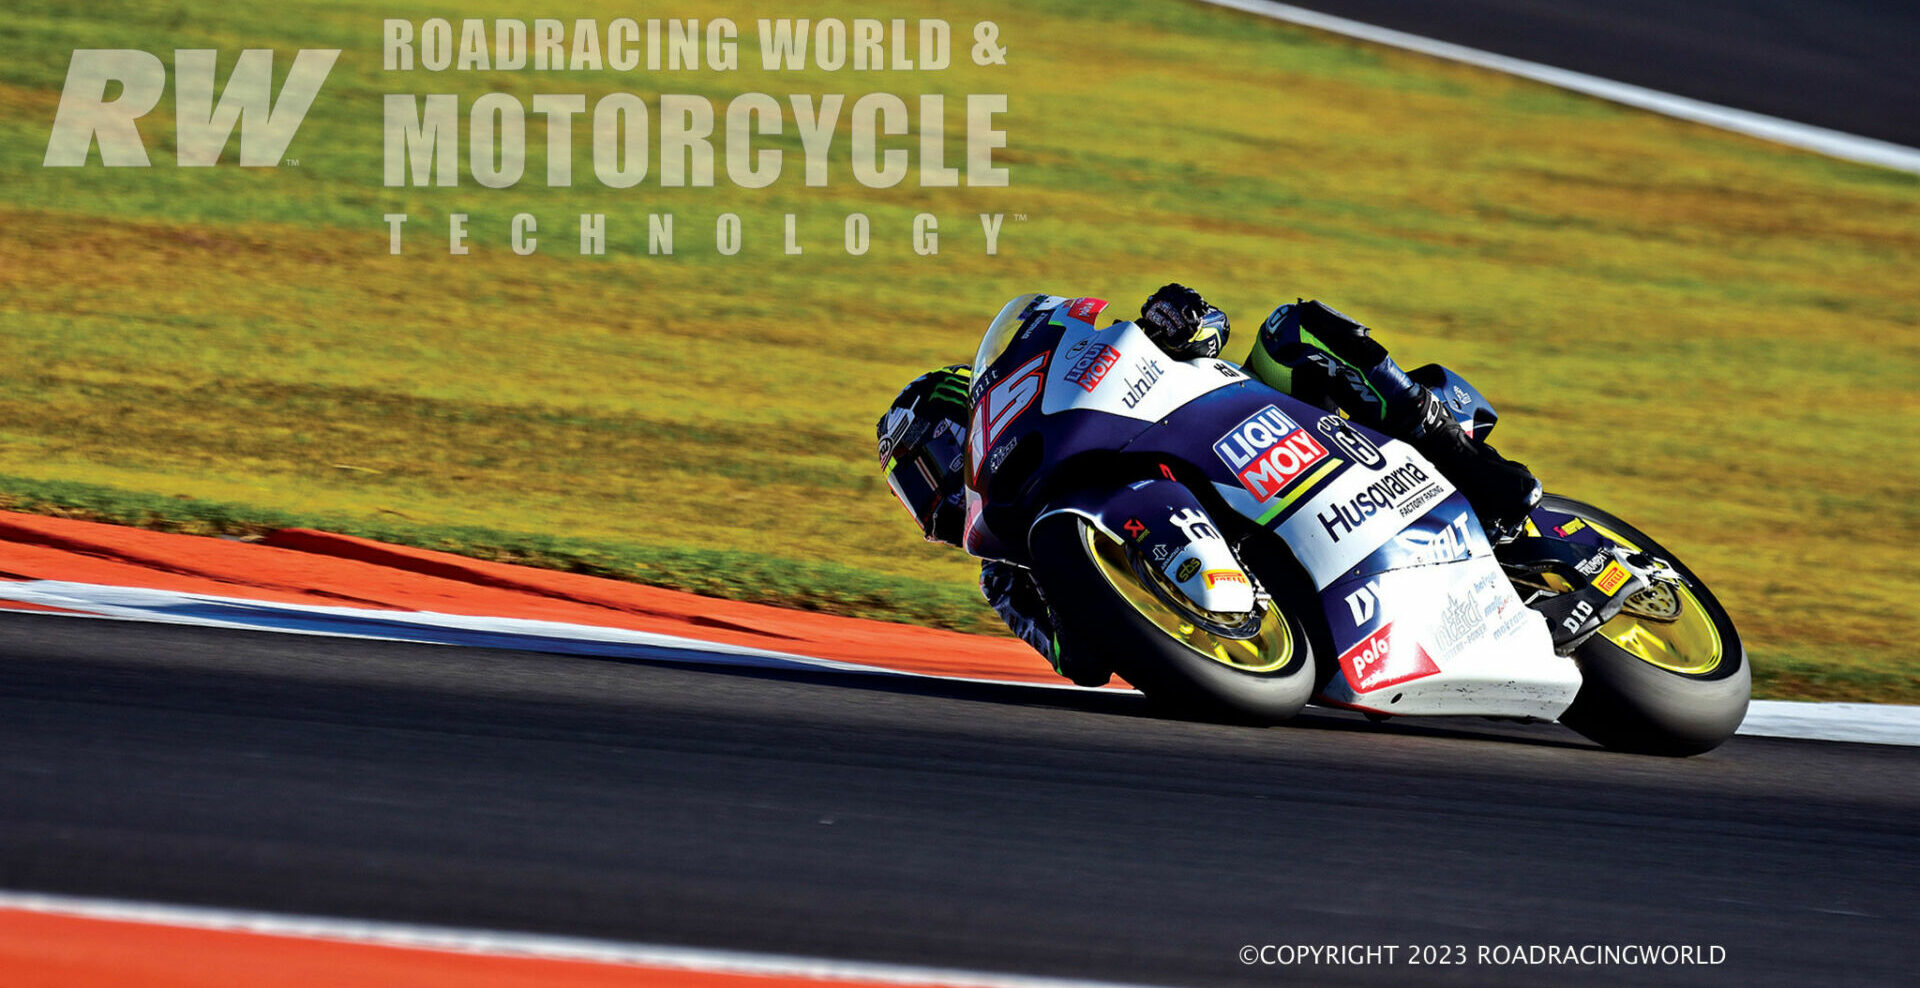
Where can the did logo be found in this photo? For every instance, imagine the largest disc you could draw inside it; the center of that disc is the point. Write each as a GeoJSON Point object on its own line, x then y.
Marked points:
{"type": "Point", "coordinates": [203, 121]}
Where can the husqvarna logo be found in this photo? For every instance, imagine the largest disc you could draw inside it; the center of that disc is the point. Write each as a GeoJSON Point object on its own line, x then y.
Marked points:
{"type": "Point", "coordinates": [1348, 440]}
{"type": "Point", "coordinates": [202, 124]}
{"type": "Point", "coordinates": [1268, 451]}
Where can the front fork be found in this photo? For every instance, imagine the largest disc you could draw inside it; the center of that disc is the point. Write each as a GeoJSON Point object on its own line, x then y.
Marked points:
{"type": "Point", "coordinates": [1579, 588]}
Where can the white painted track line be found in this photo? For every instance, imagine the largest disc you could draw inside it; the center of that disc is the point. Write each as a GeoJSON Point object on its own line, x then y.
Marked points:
{"type": "Point", "coordinates": [1848, 147]}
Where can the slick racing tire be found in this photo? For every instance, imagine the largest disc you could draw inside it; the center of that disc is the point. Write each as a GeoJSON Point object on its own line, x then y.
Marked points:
{"type": "Point", "coordinates": [1674, 686]}
{"type": "Point", "coordinates": [1107, 609]}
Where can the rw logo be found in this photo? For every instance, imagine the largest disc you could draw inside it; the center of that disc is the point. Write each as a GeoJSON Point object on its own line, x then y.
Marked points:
{"type": "Point", "coordinates": [201, 125]}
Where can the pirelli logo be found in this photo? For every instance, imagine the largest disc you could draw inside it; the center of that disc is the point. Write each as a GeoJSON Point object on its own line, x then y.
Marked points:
{"type": "Point", "coordinates": [1611, 579]}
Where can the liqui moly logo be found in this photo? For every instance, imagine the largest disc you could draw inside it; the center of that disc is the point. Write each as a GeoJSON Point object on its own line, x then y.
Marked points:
{"type": "Point", "coordinates": [1377, 662]}
{"type": "Point", "coordinates": [1268, 451]}
{"type": "Point", "coordinates": [1092, 367]}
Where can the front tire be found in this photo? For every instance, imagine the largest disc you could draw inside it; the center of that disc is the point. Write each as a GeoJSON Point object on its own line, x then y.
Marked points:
{"type": "Point", "coordinates": [1106, 608]}
{"type": "Point", "coordinates": [1660, 687]}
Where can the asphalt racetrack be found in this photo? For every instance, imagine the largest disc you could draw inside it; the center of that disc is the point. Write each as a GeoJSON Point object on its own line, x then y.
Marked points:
{"type": "Point", "coordinates": [1847, 65]}
{"type": "Point", "coordinates": [918, 821]}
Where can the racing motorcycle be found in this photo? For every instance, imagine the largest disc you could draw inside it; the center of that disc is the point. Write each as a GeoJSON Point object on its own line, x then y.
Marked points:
{"type": "Point", "coordinates": [1235, 552]}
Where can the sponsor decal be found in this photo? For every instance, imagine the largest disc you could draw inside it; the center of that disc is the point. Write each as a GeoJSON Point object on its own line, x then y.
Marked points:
{"type": "Point", "coordinates": [1085, 309]}
{"type": "Point", "coordinates": [1406, 490]}
{"type": "Point", "coordinates": [1590, 566]}
{"type": "Point", "coordinates": [1268, 451]}
{"type": "Point", "coordinates": [999, 454]}
{"type": "Point", "coordinates": [1092, 367]}
{"type": "Point", "coordinates": [1161, 551]}
{"type": "Point", "coordinates": [1227, 370]}
{"type": "Point", "coordinates": [1444, 546]}
{"type": "Point", "coordinates": [1611, 579]}
{"type": "Point", "coordinates": [1167, 472]}
{"type": "Point", "coordinates": [995, 410]}
{"type": "Point", "coordinates": [1348, 440]}
{"type": "Point", "coordinates": [1194, 525]}
{"type": "Point", "coordinates": [1458, 624]}
{"type": "Point", "coordinates": [1137, 387]}
{"type": "Point", "coordinates": [1214, 576]}
{"type": "Point", "coordinates": [1494, 589]}
{"type": "Point", "coordinates": [1362, 603]}
{"type": "Point", "coordinates": [1569, 528]}
{"type": "Point", "coordinates": [1460, 400]}
{"type": "Point", "coordinates": [1134, 528]}
{"type": "Point", "coordinates": [1187, 569]}
{"type": "Point", "coordinates": [1377, 662]}
{"type": "Point", "coordinates": [1581, 612]}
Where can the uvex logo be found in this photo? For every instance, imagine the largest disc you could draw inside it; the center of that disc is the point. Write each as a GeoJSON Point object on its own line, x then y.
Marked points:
{"type": "Point", "coordinates": [202, 126]}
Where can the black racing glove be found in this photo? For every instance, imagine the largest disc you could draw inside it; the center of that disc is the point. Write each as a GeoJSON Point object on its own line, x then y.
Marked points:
{"type": "Point", "coordinates": [1183, 324]}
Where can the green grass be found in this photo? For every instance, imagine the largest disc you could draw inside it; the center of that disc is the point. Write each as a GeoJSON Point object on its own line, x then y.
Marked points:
{"type": "Point", "coordinates": [1714, 337]}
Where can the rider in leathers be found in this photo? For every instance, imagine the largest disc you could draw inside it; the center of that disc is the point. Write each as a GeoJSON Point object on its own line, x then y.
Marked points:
{"type": "Point", "coordinates": [1306, 349]}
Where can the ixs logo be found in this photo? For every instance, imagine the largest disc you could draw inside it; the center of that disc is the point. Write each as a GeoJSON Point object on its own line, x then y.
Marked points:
{"type": "Point", "coordinates": [202, 125]}
{"type": "Point", "coordinates": [1092, 367]}
{"type": "Point", "coordinates": [1406, 490]}
{"type": "Point", "coordinates": [1268, 451]}
{"type": "Point", "coordinates": [1377, 661]}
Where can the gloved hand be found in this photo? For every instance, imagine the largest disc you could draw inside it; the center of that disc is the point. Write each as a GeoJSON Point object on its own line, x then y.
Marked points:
{"type": "Point", "coordinates": [1183, 324]}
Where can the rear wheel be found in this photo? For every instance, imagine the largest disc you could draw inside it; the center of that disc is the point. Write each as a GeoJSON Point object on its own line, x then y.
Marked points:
{"type": "Point", "coordinates": [1668, 675]}
{"type": "Point", "coordinates": [1111, 603]}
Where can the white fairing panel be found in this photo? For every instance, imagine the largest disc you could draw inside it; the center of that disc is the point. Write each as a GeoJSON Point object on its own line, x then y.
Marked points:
{"type": "Point", "coordinates": [1455, 639]}
{"type": "Point", "coordinates": [1119, 370]}
{"type": "Point", "coordinates": [1347, 519]}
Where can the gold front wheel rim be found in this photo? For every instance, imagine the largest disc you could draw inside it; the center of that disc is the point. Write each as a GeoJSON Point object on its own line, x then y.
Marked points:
{"type": "Point", "coordinates": [1270, 648]}
{"type": "Point", "coordinates": [1689, 644]}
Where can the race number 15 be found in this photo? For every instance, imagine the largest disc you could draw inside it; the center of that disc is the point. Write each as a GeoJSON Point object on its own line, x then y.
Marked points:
{"type": "Point", "coordinates": [999, 407]}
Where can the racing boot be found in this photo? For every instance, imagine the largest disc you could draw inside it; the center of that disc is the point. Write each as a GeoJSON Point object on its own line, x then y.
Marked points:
{"type": "Point", "coordinates": [1323, 356]}
{"type": "Point", "coordinates": [1501, 491]}
{"type": "Point", "coordinates": [1016, 597]}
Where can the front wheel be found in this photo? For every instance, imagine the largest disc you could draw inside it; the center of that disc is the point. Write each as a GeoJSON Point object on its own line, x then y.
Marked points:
{"type": "Point", "coordinates": [1263, 670]}
{"type": "Point", "coordinates": [1667, 675]}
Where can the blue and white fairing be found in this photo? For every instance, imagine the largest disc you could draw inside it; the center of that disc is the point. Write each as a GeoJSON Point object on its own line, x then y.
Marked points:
{"type": "Point", "coordinates": [1421, 617]}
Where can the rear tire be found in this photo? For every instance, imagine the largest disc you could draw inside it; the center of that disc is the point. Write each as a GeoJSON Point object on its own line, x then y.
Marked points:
{"type": "Point", "coordinates": [1629, 703]}
{"type": "Point", "coordinates": [1106, 610]}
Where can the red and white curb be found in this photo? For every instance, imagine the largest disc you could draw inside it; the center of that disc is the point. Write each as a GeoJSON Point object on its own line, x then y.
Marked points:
{"type": "Point", "coordinates": [504, 944]}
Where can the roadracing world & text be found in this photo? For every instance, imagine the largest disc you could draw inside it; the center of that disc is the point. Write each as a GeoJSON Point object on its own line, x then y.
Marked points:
{"type": "Point", "coordinates": [736, 143]}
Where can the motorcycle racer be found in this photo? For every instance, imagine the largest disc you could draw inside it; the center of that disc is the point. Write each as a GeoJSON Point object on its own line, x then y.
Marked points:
{"type": "Point", "coordinates": [1306, 349]}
